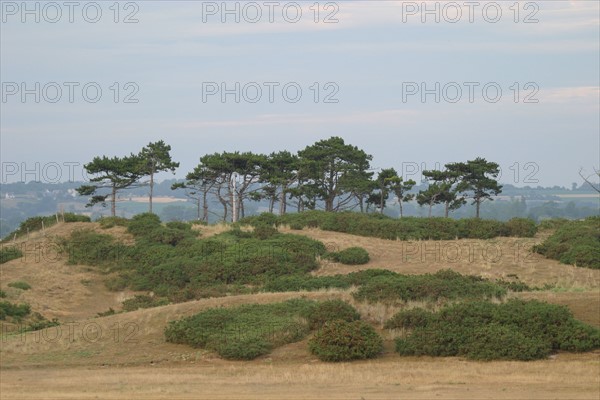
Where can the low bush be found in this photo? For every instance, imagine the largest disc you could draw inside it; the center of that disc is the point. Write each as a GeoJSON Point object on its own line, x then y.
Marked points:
{"type": "Point", "coordinates": [351, 256]}
{"type": "Point", "coordinates": [345, 341]}
{"type": "Point", "coordinates": [110, 222]}
{"type": "Point", "coordinates": [410, 319]}
{"type": "Point", "coordinates": [444, 284]}
{"type": "Point", "coordinates": [516, 330]}
{"type": "Point", "coordinates": [243, 332]}
{"type": "Point", "coordinates": [87, 247]}
{"type": "Point", "coordinates": [8, 253]}
{"type": "Point", "coordinates": [16, 311]}
{"type": "Point", "coordinates": [71, 217]}
{"type": "Point", "coordinates": [20, 285]}
{"type": "Point", "coordinates": [143, 301]}
{"type": "Point", "coordinates": [574, 242]}
{"type": "Point", "coordinates": [2, 294]}
{"type": "Point", "coordinates": [264, 231]}
{"type": "Point", "coordinates": [408, 228]}
{"type": "Point", "coordinates": [331, 310]}
{"type": "Point", "coordinates": [142, 224]}
{"type": "Point", "coordinates": [521, 227]}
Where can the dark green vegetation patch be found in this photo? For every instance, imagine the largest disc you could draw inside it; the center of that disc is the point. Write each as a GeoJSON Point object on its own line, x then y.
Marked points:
{"type": "Point", "coordinates": [244, 332]}
{"type": "Point", "coordinates": [574, 242]}
{"type": "Point", "coordinates": [340, 340]}
{"type": "Point", "coordinates": [173, 263]}
{"type": "Point", "coordinates": [408, 228]}
{"type": "Point", "coordinates": [380, 285]}
{"type": "Point", "coordinates": [8, 253]}
{"type": "Point", "coordinates": [350, 256]}
{"type": "Point", "coordinates": [516, 330]}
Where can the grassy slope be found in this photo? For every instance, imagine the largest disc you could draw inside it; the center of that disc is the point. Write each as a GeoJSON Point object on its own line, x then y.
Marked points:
{"type": "Point", "coordinates": [57, 290]}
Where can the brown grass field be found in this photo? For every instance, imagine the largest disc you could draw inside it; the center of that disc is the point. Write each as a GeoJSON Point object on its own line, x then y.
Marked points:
{"type": "Point", "coordinates": [125, 356]}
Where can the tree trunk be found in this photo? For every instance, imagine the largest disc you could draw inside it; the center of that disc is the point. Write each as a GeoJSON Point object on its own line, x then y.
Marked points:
{"type": "Point", "coordinates": [282, 202]}
{"type": "Point", "coordinates": [204, 207]}
{"type": "Point", "coordinates": [113, 201]}
{"type": "Point", "coordinates": [198, 209]}
{"type": "Point", "coordinates": [430, 207]}
{"type": "Point", "coordinates": [151, 187]}
{"type": "Point", "coordinates": [271, 204]}
{"type": "Point", "coordinates": [447, 209]}
{"type": "Point", "coordinates": [329, 204]}
{"type": "Point", "coordinates": [400, 202]}
{"type": "Point", "coordinates": [477, 204]}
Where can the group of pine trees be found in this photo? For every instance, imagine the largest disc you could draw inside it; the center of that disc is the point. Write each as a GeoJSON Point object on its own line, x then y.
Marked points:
{"type": "Point", "coordinates": [328, 174]}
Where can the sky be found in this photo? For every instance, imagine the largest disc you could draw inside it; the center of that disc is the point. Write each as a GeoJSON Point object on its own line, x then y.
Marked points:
{"type": "Point", "coordinates": [414, 84]}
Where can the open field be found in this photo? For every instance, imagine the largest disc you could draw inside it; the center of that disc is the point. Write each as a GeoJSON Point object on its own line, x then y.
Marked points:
{"type": "Point", "coordinates": [565, 377]}
{"type": "Point", "coordinates": [125, 356]}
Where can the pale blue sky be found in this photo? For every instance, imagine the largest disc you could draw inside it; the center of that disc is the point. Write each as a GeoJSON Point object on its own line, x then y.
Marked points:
{"type": "Point", "coordinates": [368, 54]}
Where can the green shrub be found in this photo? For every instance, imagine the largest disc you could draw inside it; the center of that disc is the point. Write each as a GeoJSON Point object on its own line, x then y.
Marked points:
{"type": "Point", "coordinates": [106, 313]}
{"type": "Point", "coordinates": [521, 227]}
{"type": "Point", "coordinates": [71, 217]}
{"type": "Point", "coordinates": [183, 226]}
{"type": "Point", "coordinates": [109, 222]}
{"type": "Point", "coordinates": [264, 231]}
{"type": "Point", "coordinates": [351, 256]}
{"type": "Point", "coordinates": [410, 319]}
{"type": "Point", "coordinates": [17, 311]}
{"type": "Point", "coordinates": [499, 342]}
{"type": "Point", "coordinates": [37, 322]}
{"type": "Point", "coordinates": [474, 228]}
{"type": "Point", "coordinates": [345, 341]}
{"type": "Point", "coordinates": [2, 294]}
{"type": "Point", "coordinates": [574, 242]}
{"type": "Point", "coordinates": [331, 310]}
{"type": "Point", "coordinates": [408, 228]}
{"type": "Point", "coordinates": [9, 253]}
{"type": "Point", "coordinates": [142, 224]}
{"type": "Point", "coordinates": [552, 223]}
{"type": "Point", "coordinates": [246, 348]}
{"type": "Point", "coordinates": [143, 301]}
{"type": "Point", "coordinates": [243, 332]}
{"type": "Point", "coordinates": [87, 247]}
{"type": "Point", "coordinates": [20, 285]}
{"type": "Point", "coordinates": [516, 330]}
{"type": "Point", "coordinates": [294, 283]}
{"type": "Point", "coordinates": [296, 226]}
{"type": "Point", "coordinates": [444, 284]}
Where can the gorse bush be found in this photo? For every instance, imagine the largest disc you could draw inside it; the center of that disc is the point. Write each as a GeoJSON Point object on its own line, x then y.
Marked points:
{"type": "Point", "coordinates": [340, 340]}
{"type": "Point", "coordinates": [521, 227]}
{"type": "Point", "coordinates": [350, 256]}
{"type": "Point", "coordinates": [87, 247]}
{"type": "Point", "coordinates": [143, 301]}
{"type": "Point", "coordinates": [243, 332]}
{"type": "Point", "coordinates": [516, 330]}
{"type": "Point", "coordinates": [444, 284]}
{"type": "Point", "coordinates": [574, 242]}
{"type": "Point", "coordinates": [16, 311]}
{"type": "Point", "coordinates": [20, 285]}
{"type": "Point", "coordinates": [8, 253]}
{"type": "Point", "coordinates": [329, 311]}
{"type": "Point", "coordinates": [173, 263]}
{"type": "Point", "coordinates": [110, 222]}
{"type": "Point", "coordinates": [264, 231]}
{"type": "Point", "coordinates": [408, 228]}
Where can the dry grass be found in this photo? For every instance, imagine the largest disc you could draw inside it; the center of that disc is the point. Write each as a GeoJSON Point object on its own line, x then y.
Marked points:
{"type": "Point", "coordinates": [565, 377]}
{"type": "Point", "coordinates": [493, 259]}
{"type": "Point", "coordinates": [125, 356]}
